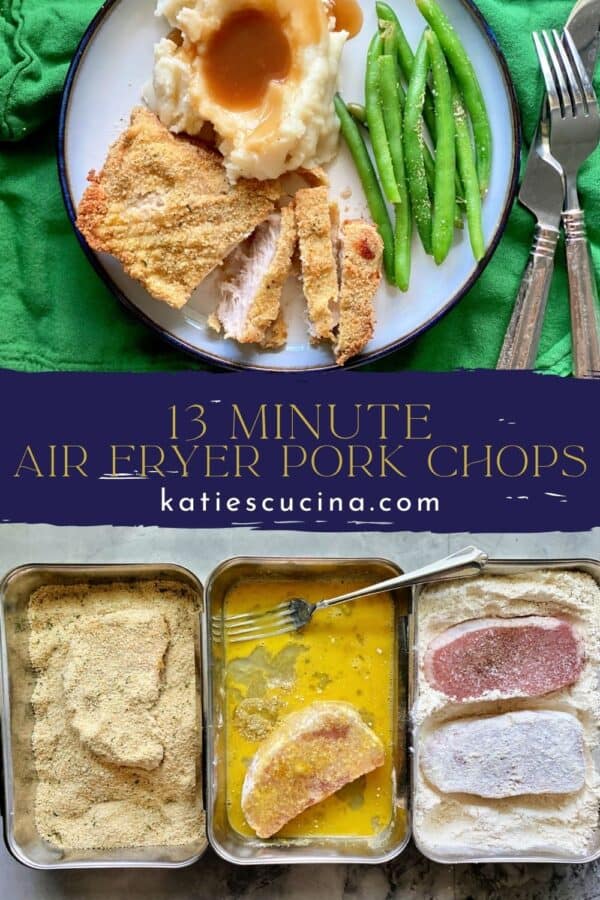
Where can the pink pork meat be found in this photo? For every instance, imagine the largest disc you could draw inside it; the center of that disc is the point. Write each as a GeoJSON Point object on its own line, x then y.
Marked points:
{"type": "Point", "coordinates": [521, 657]}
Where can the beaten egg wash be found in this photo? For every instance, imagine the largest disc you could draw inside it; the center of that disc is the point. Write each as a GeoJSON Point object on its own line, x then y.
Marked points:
{"type": "Point", "coordinates": [347, 653]}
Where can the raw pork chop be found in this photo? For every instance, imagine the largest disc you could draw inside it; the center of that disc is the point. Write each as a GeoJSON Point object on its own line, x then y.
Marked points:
{"type": "Point", "coordinates": [513, 754]}
{"type": "Point", "coordinates": [309, 756]}
{"type": "Point", "coordinates": [524, 657]}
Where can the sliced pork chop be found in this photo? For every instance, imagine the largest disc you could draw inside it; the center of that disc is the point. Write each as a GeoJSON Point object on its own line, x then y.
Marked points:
{"type": "Point", "coordinates": [511, 755]}
{"type": "Point", "coordinates": [317, 223]}
{"type": "Point", "coordinates": [520, 657]}
{"type": "Point", "coordinates": [162, 205]}
{"type": "Point", "coordinates": [309, 756]}
{"type": "Point", "coordinates": [361, 252]}
{"type": "Point", "coordinates": [253, 281]}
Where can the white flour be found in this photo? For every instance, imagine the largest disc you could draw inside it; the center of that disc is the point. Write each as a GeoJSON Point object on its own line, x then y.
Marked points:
{"type": "Point", "coordinates": [558, 825]}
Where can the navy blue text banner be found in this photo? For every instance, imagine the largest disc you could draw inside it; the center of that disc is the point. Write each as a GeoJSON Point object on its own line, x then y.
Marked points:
{"type": "Point", "coordinates": [484, 451]}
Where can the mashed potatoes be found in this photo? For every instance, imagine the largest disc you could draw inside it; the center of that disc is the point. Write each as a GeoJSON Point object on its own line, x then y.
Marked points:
{"type": "Point", "coordinates": [278, 62]}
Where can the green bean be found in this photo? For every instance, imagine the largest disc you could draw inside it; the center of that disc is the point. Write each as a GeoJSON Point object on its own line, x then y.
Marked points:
{"type": "Point", "coordinates": [379, 141]}
{"type": "Point", "coordinates": [414, 145]}
{"type": "Point", "coordinates": [394, 33]}
{"type": "Point", "coordinates": [390, 48]}
{"type": "Point", "coordinates": [444, 200]}
{"type": "Point", "coordinates": [379, 211]}
{"type": "Point", "coordinates": [358, 113]}
{"type": "Point", "coordinates": [468, 172]}
{"type": "Point", "coordinates": [468, 84]}
{"type": "Point", "coordinates": [430, 175]}
{"type": "Point", "coordinates": [389, 89]}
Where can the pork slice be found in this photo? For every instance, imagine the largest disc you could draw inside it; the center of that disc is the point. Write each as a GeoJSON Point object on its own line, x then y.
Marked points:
{"type": "Point", "coordinates": [251, 288]}
{"type": "Point", "coordinates": [317, 221]}
{"type": "Point", "coordinates": [519, 657]}
{"type": "Point", "coordinates": [518, 753]}
{"type": "Point", "coordinates": [361, 252]}
{"type": "Point", "coordinates": [309, 756]}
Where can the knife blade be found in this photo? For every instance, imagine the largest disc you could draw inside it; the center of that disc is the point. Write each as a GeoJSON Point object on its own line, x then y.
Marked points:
{"type": "Point", "coordinates": [584, 27]}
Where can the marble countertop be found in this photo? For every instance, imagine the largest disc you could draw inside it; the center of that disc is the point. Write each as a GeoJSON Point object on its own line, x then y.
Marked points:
{"type": "Point", "coordinates": [411, 875]}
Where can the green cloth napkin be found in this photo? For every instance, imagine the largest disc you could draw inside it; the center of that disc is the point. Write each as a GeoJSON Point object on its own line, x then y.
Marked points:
{"type": "Point", "coordinates": [56, 314]}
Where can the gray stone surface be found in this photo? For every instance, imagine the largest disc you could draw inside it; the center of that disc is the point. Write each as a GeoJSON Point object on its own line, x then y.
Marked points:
{"type": "Point", "coordinates": [410, 876]}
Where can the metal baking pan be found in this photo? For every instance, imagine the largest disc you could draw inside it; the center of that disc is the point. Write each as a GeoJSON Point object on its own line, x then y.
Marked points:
{"type": "Point", "coordinates": [224, 838]}
{"type": "Point", "coordinates": [21, 835]}
{"type": "Point", "coordinates": [496, 567]}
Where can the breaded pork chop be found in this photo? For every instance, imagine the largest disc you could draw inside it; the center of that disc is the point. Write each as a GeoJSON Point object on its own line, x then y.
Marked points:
{"type": "Point", "coordinates": [316, 222]}
{"type": "Point", "coordinates": [309, 756]}
{"type": "Point", "coordinates": [361, 251]}
{"type": "Point", "coordinates": [112, 679]}
{"type": "Point", "coordinates": [163, 206]}
{"type": "Point", "coordinates": [253, 281]}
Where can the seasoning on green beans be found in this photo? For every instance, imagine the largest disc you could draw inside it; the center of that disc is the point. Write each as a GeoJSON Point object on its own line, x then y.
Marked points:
{"type": "Point", "coordinates": [444, 200]}
{"type": "Point", "coordinates": [414, 145]}
{"type": "Point", "coordinates": [376, 124]}
{"type": "Point", "coordinates": [379, 211]}
{"type": "Point", "coordinates": [389, 92]}
{"type": "Point", "coordinates": [468, 172]}
{"type": "Point", "coordinates": [394, 36]}
{"type": "Point", "coordinates": [469, 86]}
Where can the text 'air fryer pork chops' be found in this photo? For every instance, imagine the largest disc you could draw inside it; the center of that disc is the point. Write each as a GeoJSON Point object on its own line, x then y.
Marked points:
{"type": "Point", "coordinates": [309, 756]}
{"type": "Point", "coordinates": [162, 205]}
{"type": "Point", "coordinates": [517, 657]}
{"type": "Point", "coordinates": [515, 754]}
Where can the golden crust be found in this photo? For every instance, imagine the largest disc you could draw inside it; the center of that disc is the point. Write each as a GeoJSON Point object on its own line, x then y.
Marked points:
{"type": "Point", "coordinates": [316, 177]}
{"type": "Point", "coordinates": [265, 324]}
{"type": "Point", "coordinates": [319, 268]}
{"type": "Point", "coordinates": [163, 206]}
{"type": "Point", "coordinates": [309, 756]}
{"type": "Point", "coordinates": [276, 337]}
{"type": "Point", "coordinates": [362, 251]}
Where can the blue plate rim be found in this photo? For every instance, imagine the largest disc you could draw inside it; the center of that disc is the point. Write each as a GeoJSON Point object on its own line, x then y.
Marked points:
{"type": "Point", "coordinates": [231, 365]}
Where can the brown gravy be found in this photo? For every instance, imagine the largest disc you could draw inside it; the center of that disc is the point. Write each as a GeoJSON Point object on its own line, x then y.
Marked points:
{"type": "Point", "coordinates": [348, 16]}
{"type": "Point", "coordinates": [248, 52]}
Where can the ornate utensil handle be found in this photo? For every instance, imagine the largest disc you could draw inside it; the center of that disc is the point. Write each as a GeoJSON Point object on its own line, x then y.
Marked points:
{"type": "Point", "coordinates": [522, 338]}
{"type": "Point", "coordinates": [463, 564]}
{"type": "Point", "coordinates": [584, 297]}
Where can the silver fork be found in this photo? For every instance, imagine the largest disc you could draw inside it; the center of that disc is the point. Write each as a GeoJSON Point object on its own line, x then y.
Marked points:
{"type": "Point", "coordinates": [291, 615]}
{"type": "Point", "coordinates": [574, 135]}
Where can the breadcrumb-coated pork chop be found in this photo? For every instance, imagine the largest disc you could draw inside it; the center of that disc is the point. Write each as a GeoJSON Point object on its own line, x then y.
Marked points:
{"type": "Point", "coordinates": [253, 280]}
{"type": "Point", "coordinates": [361, 251]}
{"type": "Point", "coordinates": [316, 223]}
{"type": "Point", "coordinates": [309, 756]}
{"type": "Point", "coordinates": [163, 206]}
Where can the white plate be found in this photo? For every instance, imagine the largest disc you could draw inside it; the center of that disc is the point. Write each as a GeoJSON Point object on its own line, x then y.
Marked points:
{"type": "Point", "coordinates": [114, 62]}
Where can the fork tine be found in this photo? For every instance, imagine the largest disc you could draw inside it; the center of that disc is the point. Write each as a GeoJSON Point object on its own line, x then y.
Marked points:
{"type": "Point", "coordinates": [559, 78]}
{"type": "Point", "coordinates": [551, 89]}
{"type": "Point", "coordinates": [274, 622]}
{"type": "Point", "coordinates": [244, 617]}
{"type": "Point", "coordinates": [574, 84]}
{"type": "Point", "coordinates": [586, 84]}
{"type": "Point", "coordinates": [263, 636]}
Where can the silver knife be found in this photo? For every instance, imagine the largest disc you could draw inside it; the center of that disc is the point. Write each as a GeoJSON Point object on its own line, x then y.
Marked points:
{"type": "Point", "coordinates": [543, 193]}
